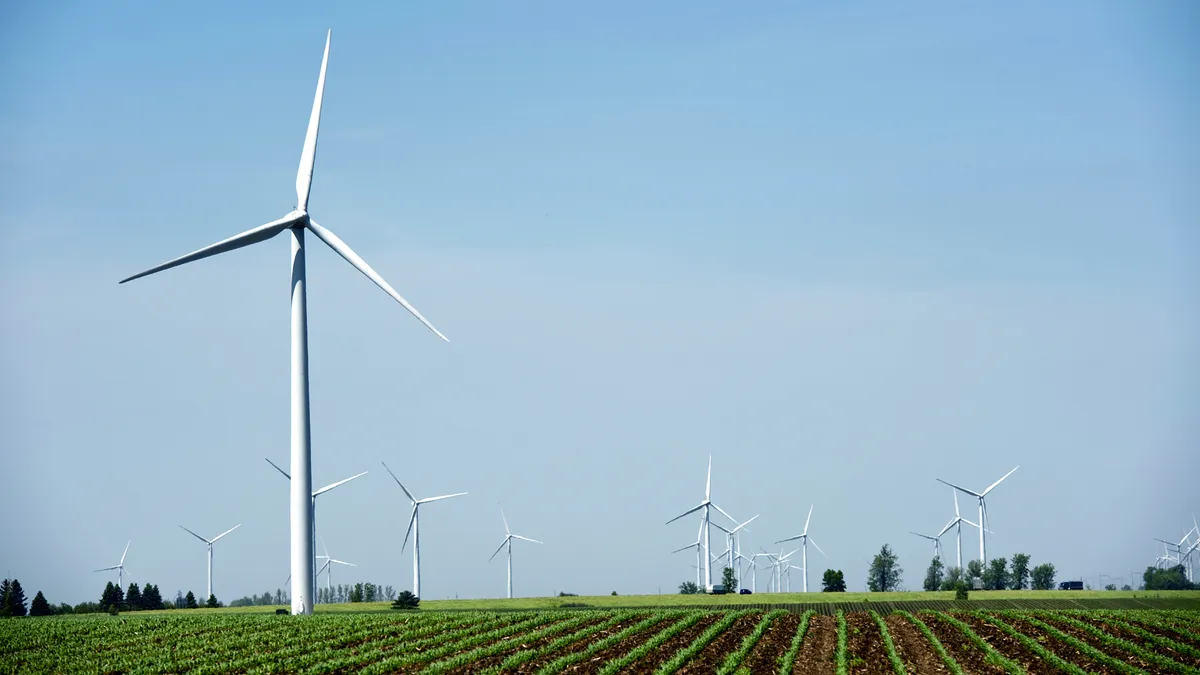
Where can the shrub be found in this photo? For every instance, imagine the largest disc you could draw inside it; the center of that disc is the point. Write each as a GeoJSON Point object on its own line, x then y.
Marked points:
{"type": "Point", "coordinates": [406, 600]}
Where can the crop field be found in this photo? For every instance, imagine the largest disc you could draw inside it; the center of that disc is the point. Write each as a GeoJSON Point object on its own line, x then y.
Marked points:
{"type": "Point", "coordinates": [612, 641]}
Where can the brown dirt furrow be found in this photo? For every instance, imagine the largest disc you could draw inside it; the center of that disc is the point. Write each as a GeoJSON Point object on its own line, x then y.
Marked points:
{"type": "Point", "coordinates": [1087, 638]}
{"type": "Point", "coordinates": [517, 644]}
{"type": "Point", "coordinates": [727, 642]}
{"type": "Point", "coordinates": [614, 652]}
{"type": "Point", "coordinates": [915, 651]}
{"type": "Point", "coordinates": [866, 654]}
{"type": "Point", "coordinates": [818, 652]}
{"type": "Point", "coordinates": [765, 656]}
{"type": "Point", "coordinates": [967, 654]}
{"type": "Point", "coordinates": [1126, 634]}
{"type": "Point", "coordinates": [1180, 635]}
{"type": "Point", "coordinates": [537, 664]}
{"type": "Point", "coordinates": [659, 655]}
{"type": "Point", "coordinates": [1015, 650]}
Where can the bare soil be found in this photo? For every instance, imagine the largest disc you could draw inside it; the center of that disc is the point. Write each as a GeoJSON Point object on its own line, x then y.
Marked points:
{"type": "Point", "coordinates": [915, 651]}
{"type": "Point", "coordinates": [1126, 634]}
{"type": "Point", "coordinates": [773, 644]}
{"type": "Point", "coordinates": [605, 655]}
{"type": "Point", "coordinates": [517, 644]}
{"type": "Point", "coordinates": [1087, 638]}
{"type": "Point", "coordinates": [727, 642]}
{"type": "Point", "coordinates": [866, 653]}
{"type": "Point", "coordinates": [818, 652]}
{"type": "Point", "coordinates": [660, 654]}
{"type": "Point", "coordinates": [967, 654]}
{"type": "Point", "coordinates": [1015, 650]}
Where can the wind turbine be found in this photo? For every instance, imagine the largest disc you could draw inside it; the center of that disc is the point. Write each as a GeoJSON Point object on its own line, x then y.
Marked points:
{"type": "Point", "coordinates": [704, 506]}
{"type": "Point", "coordinates": [119, 567]}
{"type": "Point", "coordinates": [415, 529]}
{"type": "Point", "coordinates": [958, 520]}
{"type": "Point", "coordinates": [296, 223]}
{"type": "Point", "coordinates": [508, 537]}
{"type": "Point", "coordinates": [210, 543]}
{"type": "Point", "coordinates": [937, 543]}
{"type": "Point", "coordinates": [328, 569]}
{"type": "Point", "coordinates": [804, 547]}
{"type": "Point", "coordinates": [697, 545]}
{"type": "Point", "coordinates": [313, 509]}
{"type": "Point", "coordinates": [983, 521]}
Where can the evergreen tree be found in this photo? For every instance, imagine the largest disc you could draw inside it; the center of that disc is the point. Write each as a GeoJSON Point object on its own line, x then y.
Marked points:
{"type": "Point", "coordinates": [933, 575]}
{"type": "Point", "coordinates": [39, 606]}
{"type": "Point", "coordinates": [212, 602]}
{"type": "Point", "coordinates": [5, 586]}
{"type": "Point", "coordinates": [406, 600]}
{"type": "Point", "coordinates": [15, 601]}
{"type": "Point", "coordinates": [1019, 578]}
{"type": "Point", "coordinates": [151, 598]}
{"type": "Point", "coordinates": [833, 582]}
{"type": "Point", "coordinates": [106, 598]}
{"type": "Point", "coordinates": [190, 601]}
{"type": "Point", "coordinates": [885, 571]}
{"type": "Point", "coordinates": [133, 598]}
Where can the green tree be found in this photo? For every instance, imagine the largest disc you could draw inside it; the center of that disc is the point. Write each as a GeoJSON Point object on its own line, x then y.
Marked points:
{"type": "Point", "coordinates": [934, 575]}
{"type": "Point", "coordinates": [189, 601]}
{"type": "Point", "coordinates": [14, 600]}
{"type": "Point", "coordinates": [729, 580]}
{"type": "Point", "coordinates": [995, 578]}
{"type": "Point", "coordinates": [356, 593]}
{"type": "Point", "coordinates": [885, 571]}
{"type": "Point", "coordinates": [954, 576]}
{"type": "Point", "coordinates": [151, 597]}
{"type": "Point", "coordinates": [370, 592]}
{"type": "Point", "coordinates": [1019, 577]}
{"type": "Point", "coordinates": [974, 571]}
{"type": "Point", "coordinates": [5, 586]}
{"type": "Point", "coordinates": [212, 601]}
{"type": "Point", "coordinates": [406, 600]}
{"type": "Point", "coordinates": [833, 581]}
{"type": "Point", "coordinates": [1043, 577]}
{"type": "Point", "coordinates": [39, 606]}
{"type": "Point", "coordinates": [1169, 579]}
{"type": "Point", "coordinates": [689, 588]}
{"type": "Point", "coordinates": [133, 597]}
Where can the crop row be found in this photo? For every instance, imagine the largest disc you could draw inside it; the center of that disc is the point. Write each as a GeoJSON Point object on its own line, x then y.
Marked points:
{"type": "Point", "coordinates": [606, 642]}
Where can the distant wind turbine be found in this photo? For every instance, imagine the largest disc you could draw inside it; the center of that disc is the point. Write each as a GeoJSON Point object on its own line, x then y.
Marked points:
{"type": "Point", "coordinates": [698, 545]}
{"type": "Point", "coordinates": [296, 222]}
{"type": "Point", "coordinates": [937, 543]}
{"type": "Point", "coordinates": [210, 543]}
{"type": "Point", "coordinates": [328, 568]}
{"type": "Point", "coordinates": [119, 567]}
{"type": "Point", "coordinates": [704, 508]}
{"type": "Point", "coordinates": [414, 528]}
{"type": "Point", "coordinates": [956, 522]}
{"type": "Point", "coordinates": [804, 546]}
{"type": "Point", "coordinates": [983, 519]}
{"type": "Point", "coordinates": [508, 538]}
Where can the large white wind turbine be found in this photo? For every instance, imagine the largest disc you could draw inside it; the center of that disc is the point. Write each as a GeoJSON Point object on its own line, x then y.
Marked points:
{"type": "Point", "coordinates": [210, 543]}
{"type": "Point", "coordinates": [804, 546]}
{"type": "Point", "coordinates": [414, 528]}
{"type": "Point", "coordinates": [704, 507]}
{"type": "Point", "coordinates": [119, 567]}
{"type": "Point", "coordinates": [957, 522]}
{"type": "Point", "coordinates": [983, 519]}
{"type": "Point", "coordinates": [313, 509]}
{"type": "Point", "coordinates": [296, 223]}
{"type": "Point", "coordinates": [508, 538]}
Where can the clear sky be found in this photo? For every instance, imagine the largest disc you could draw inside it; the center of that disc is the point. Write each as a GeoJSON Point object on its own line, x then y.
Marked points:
{"type": "Point", "coordinates": [844, 248]}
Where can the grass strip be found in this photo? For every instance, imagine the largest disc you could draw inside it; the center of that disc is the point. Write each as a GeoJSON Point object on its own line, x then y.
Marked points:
{"type": "Point", "coordinates": [951, 664]}
{"type": "Point", "coordinates": [558, 665]}
{"type": "Point", "coordinates": [734, 660]}
{"type": "Point", "coordinates": [897, 664]}
{"type": "Point", "coordinates": [684, 655]}
{"type": "Point", "coordinates": [992, 656]}
{"type": "Point", "coordinates": [789, 658]}
{"type": "Point", "coordinates": [644, 648]}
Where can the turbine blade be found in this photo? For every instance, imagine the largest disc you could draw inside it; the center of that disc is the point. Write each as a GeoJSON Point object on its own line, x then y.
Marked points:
{"type": "Point", "coordinates": [329, 487]}
{"type": "Point", "coordinates": [225, 533]}
{"type": "Point", "coordinates": [324, 548]}
{"type": "Point", "coordinates": [342, 562]}
{"type": "Point", "coordinates": [308, 155]}
{"type": "Point", "coordinates": [194, 535]}
{"type": "Point", "coordinates": [689, 546]}
{"type": "Point", "coordinates": [285, 474]}
{"type": "Point", "coordinates": [722, 512]}
{"type": "Point", "coordinates": [976, 494]}
{"type": "Point", "coordinates": [955, 493]}
{"type": "Point", "coordinates": [517, 536]}
{"type": "Point", "coordinates": [318, 571]}
{"type": "Point", "coordinates": [708, 481]}
{"type": "Point", "coordinates": [989, 489]}
{"type": "Point", "coordinates": [781, 541]}
{"type": "Point", "coordinates": [106, 569]}
{"type": "Point", "coordinates": [434, 499]}
{"type": "Point", "coordinates": [947, 527]}
{"type": "Point", "coordinates": [745, 524]}
{"type": "Point", "coordinates": [126, 551]}
{"type": "Point", "coordinates": [406, 492]}
{"type": "Point", "coordinates": [499, 549]}
{"type": "Point", "coordinates": [969, 522]}
{"type": "Point", "coordinates": [353, 258]}
{"type": "Point", "coordinates": [411, 518]}
{"type": "Point", "coordinates": [260, 233]}
{"type": "Point", "coordinates": [506, 530]}
{"type": "Point", "coordinates": [688, 512]}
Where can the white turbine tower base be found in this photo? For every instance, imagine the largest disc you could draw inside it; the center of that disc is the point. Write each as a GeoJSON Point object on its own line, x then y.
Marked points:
{"type": "Point", "coordinates": [296, 223]}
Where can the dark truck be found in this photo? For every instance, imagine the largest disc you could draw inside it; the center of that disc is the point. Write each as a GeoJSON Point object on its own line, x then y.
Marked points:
{"type": "Point", "coordinates": [1070, 586]}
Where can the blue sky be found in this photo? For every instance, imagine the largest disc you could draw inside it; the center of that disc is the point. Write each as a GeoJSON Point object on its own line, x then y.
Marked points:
{"type": "Point", "coordinates": [846, 250]}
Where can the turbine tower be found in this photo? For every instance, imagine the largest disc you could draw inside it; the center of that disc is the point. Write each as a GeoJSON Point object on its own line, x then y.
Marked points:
{"type": "Point", "coordinates": [210, 543]}
{"type": "Point", "coordinates": [704, 507]}
{"type": "Point", "coordinates": [804, 546]}
{"type": "Point", "coordinates": [328, 569]}
{"type": "Point", "coordinates": [296, 223]}
{"type": "Point", "coordinates": [119, 567]}
{"type": "Point", "coordinates": [414, 528]}
{"type": "Point", "coordinates": [313, 512]}
{"type": "Point", "coordinates": [957, 521]}
{"type": "Point", "coordinates": [508, 539]}
{"type": "Point", "coordinates": [699, 543]}
{"type": "Point", "coordinates": [983, 520]}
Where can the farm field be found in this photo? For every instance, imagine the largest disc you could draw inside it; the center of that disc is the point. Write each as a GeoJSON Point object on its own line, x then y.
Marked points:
{"type": "Point", "coordinates": [608, 641]}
